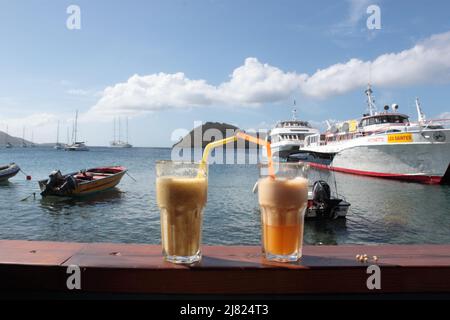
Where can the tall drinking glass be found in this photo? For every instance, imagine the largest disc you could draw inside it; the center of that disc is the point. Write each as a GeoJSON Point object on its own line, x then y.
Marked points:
{"type": "Point", "coordinates": [283, 199]}
{"type": "Point", "coordinates": [181, 192]}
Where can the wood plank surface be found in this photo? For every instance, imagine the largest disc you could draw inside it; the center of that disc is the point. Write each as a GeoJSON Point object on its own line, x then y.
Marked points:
{"type": "Point", "coordinates": [138, 268]}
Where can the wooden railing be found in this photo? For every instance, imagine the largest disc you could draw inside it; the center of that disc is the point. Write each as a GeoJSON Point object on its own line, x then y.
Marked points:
{"type": "Point", "coordinates": [140, 269]}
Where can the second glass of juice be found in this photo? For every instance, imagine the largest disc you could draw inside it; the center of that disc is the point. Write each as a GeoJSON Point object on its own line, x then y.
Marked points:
{"type": "Point", "coordinates": [181, 192]}
{"type": "Point", "coordinates": [283, 198]}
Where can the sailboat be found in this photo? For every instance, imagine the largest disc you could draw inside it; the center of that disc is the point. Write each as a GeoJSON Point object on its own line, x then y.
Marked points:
{"type": "Point", "coordinates": [58, 146]}
{"type": "Point", "coordinates": [8, 145]}
{"type": "Point", "coordinates": [119, 143]}
{"type": "Point", "coordinates": [76, 145]}
{"type": "Point", "coordinates": [24, 145]}
{"type": "Point", "coordinates": [32, 145]}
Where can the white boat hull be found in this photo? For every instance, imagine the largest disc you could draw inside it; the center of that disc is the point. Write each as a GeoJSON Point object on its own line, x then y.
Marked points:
{"type": "Point", "coordinates": [421, 161]}
{"type": "Point", "coordinates": [285, 148]}
{"type": "Point", "coordinates": [76, 149]}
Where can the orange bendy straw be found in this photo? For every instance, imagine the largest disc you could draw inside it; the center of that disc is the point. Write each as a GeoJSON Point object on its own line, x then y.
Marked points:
{"type": "Point", "coordinates": [261, 142]}
{"type": "Point", "coordinates": [243, 136]}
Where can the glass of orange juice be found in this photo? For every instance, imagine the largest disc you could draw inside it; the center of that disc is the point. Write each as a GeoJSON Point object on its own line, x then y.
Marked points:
{"type": "Point", "coordinates": [283, 198]}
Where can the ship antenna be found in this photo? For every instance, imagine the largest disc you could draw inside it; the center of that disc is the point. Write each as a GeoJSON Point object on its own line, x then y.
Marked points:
{"type": "Point", "coordinates": [370, 101]}
{"type": "Point", "coordinates": [294, 112]}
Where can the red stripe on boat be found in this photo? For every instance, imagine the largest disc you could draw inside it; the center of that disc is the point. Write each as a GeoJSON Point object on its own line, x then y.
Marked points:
{"type": "Point", "coordinates": [407, 177]}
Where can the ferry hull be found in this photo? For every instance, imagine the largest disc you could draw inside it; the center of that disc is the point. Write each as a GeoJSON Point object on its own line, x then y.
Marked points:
{"type": "Point", "coordinates": [425, 163]}
{"type": "Point", "coordinates": [284, 151]}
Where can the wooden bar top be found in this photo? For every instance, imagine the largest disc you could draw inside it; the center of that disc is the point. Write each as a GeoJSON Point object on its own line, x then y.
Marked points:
{"type": "Point", "coordinates": [137, 268]}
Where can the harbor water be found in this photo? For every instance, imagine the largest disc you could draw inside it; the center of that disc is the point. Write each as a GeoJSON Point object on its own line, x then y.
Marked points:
{"type": "Point", "coordinates": [381, 212]}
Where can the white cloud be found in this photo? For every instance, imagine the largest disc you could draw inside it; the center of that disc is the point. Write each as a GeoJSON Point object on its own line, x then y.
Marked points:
{"type": "Point", "coordinates": [78, 92]}
{"type": "Point", "coordinates": [32, 121]}
{"type": "Point", "coordinates": [255, 83]}
{"type": "Point", "coordinates": [426, 62]}
{"type": "Point", "coordinates": [251, 84]}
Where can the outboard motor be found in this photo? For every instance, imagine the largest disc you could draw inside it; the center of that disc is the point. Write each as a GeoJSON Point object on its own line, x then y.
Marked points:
{"type": "Point", "coordinates": [54, 179]}
{"type": "Point", "coordinates": [321, 192]}
{"type": "Point", "coordinates": [68, 186]}
{"type": "Point", "coordinates": [59, 184]}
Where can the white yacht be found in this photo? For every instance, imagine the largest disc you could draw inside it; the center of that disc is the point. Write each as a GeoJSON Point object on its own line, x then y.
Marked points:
{"type": "Point", "coordinates": [289, 136]}
{"type": "Point", "coordinates": [386, 145]}
{"type": "Point", "coordinates": [76, 145]}
{"type": "Point", "coordinates": [118, 143]}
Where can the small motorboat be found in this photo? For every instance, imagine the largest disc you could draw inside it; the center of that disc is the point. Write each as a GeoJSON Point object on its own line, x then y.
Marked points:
{"type": "Point", "coordinates": [81, 183]}
{"type": "Point", "coordinates": [322, 204]}
{"type": "Point", "coordinates": [8, 171]}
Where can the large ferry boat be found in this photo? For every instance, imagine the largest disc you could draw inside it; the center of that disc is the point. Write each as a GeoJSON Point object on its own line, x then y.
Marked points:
{"type": "Point", "coordinates": [386, 145]}
{"type": "Point", "coordinates": [288, 137]}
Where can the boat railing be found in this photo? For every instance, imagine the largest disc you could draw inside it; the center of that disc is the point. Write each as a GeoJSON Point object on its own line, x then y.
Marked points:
{"type": "Point", "coordinates": [313, 140]}
{"type": "Point", "coordinates": [445, 123]}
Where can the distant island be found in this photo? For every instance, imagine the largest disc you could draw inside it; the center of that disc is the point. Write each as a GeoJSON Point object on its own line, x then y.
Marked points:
{"type": "Point", "coordinates": [16, 142]}
{"type": "Point", "coordinates": [211, 129]}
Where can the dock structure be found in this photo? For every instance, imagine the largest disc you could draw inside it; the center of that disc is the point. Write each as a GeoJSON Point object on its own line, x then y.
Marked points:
{"type": "Point", "coordinates": [135, 269]}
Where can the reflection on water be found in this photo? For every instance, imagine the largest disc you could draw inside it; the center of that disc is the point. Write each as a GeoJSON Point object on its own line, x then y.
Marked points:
{"type": "Point", "coordinates": [381, 211]}
{"type": "Point", "coordinates": [6, 184]}
{"type": "Point", "coordinates": [64, 205]}
{"type": "Point", "coordinates": [324, 231]}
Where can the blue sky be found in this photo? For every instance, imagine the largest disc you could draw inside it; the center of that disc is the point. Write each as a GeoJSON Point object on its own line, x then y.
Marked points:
{"type": "Point", "coordinates": [241, 62]}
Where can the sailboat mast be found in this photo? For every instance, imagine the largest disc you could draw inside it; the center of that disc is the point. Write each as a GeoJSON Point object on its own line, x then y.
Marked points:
{"type": "Point", "coordinates": [114, 135]}
{"type": "Point", "coordinates": [127, 130]}
{"type": "Point", "coordinates": [76, 126]}
{"type": "Point", "coordinates": [57, 135]}
{"type": "Point", "coordinates": [119, 129]}
{"type": "Point", "coordinates": [73, 131]}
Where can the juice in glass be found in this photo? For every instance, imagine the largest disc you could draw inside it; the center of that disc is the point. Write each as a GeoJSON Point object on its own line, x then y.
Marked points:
{"type": "Point", "coordinates": [181, 196]}
{"type": "Point", "coordinates": [283, 200]}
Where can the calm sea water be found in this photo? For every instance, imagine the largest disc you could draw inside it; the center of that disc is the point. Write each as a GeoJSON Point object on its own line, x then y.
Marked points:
{"type": "Point", "coordinates": [381, 212]}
